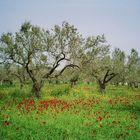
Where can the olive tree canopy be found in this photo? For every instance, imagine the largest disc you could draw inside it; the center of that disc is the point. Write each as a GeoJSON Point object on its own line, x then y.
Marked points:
{"type": "Point", "coordinates": [42, 53]}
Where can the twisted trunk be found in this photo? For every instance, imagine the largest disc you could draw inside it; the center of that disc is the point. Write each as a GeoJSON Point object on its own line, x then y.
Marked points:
{"type": "Point", "coordinates": [102, 86]}
{"type": "Point", "coordinates": [36, 89]}
{"type": "Point", "coordinates": [102, 82]}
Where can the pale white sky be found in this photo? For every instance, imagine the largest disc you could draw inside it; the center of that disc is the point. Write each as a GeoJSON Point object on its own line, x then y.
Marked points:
{"type": "Point", "coordinates": [119, 20]}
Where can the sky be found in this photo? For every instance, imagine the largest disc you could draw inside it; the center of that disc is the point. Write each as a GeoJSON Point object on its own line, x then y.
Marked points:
{"type": "Point", "coordinates": [119, 20]}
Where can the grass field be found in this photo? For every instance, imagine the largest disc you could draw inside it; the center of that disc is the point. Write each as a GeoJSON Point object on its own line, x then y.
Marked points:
{"type": "Point", "coordinates": [64, 113]}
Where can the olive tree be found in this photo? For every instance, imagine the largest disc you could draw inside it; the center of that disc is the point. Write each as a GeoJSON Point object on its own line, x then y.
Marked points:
{"type": "Point", "coordinates": [5, 74]}
{"type": "Point", "coordinates": [133, 68]}
{"type": "Point", "coordinates": [119, 66]}
{"type": "Point", "coordinates": [42, 53]}
{"type": "Point", "coordinates": [97, 61]}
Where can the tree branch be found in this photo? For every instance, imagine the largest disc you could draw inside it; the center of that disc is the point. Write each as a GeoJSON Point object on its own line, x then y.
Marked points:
{"type": "Point", "coordinates": [106, 75]}
{"type": "Point", "coordinates": [56, 64]}
{"type": "Point", "coordinates": [110, 78]}
{"type": "Point", "coordinates": [70, 65]}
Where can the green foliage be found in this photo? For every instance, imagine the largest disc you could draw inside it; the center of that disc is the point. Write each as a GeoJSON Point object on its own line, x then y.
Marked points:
{"type": "Point", "coordinates": [56, 90]}
{"type": "Point", "coordinates": [59, 91]}
{"type": "Point", "coordinates": [81, 114]}
{"type": "Point", "coordinates": [35, 55]}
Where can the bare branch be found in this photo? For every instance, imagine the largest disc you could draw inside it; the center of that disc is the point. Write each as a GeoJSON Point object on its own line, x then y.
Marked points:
{"type": "Point", "coordinates": [106, 75]}
{"type": "Point", "coordinates": [56, 64]}
{"type": "Point", "coordinates": [110, 78]}
{"type": "Point", "coordinates": [70, 65]}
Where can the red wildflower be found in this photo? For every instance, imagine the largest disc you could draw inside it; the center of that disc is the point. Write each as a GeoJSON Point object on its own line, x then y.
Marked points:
{"type": "Point", "coordinates": [99, 118]}
{"type": "Point", "coordinates": [20, 103]}
{"type": "Point", "coordinates": [64, 107]}
{"type": "Point", "coordinates": [110, 101]}
{"type": "Point", "coordinates": [46, 106]}
{"type": "Point", "coordinates": [86, 124]}
{"type": "Point", "coordinates": [7, 123]}
{"type": "Point", "coordinates": [114, 122]}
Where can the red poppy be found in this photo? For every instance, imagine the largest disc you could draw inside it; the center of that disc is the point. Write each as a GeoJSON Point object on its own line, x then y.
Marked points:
{"type": "Point", "coordinates": [110, 101]}
{"type": "Point", "coordinates": [114, 122]}
{"type": "Point", "coordinates": [86, 124]}
{"type": "Point", "coordinates": [99, 118]}
{"type": "Point", "coordinates": [7, 123]}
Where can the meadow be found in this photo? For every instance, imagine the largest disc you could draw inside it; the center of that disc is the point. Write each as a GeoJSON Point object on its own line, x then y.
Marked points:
{"type": "Point", "coordinates": [65, 113]}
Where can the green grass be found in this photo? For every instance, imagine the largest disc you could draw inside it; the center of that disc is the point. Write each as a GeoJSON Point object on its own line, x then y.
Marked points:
{"type": "Point", "coordinates": [64, 113]}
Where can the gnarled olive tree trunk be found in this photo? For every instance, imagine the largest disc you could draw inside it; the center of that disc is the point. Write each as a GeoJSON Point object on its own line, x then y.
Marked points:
{"type": "Point", "coordinates": [102, 86]}
{"type": "Point", "coordinates": [36, 89]}
{"type": "Point", "coordinates": [107, 77]}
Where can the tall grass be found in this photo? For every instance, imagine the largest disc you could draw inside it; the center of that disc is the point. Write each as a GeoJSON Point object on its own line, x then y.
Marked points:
{"type": "Point", "coordinates": [78, 113]}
